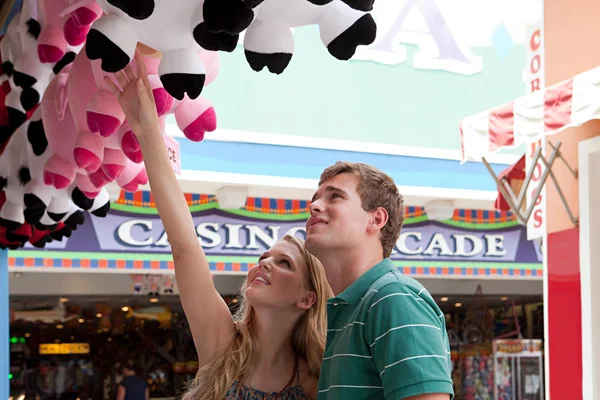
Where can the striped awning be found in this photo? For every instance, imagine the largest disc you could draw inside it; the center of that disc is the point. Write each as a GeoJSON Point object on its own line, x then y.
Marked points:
{"type": "Point", "coordinates": [545, 112]}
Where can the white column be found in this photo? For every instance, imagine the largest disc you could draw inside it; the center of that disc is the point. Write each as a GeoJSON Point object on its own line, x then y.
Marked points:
{"type": "Point", "coordinates": [589, 247]}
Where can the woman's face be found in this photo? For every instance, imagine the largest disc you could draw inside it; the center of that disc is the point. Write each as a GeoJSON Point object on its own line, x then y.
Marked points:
{"type": "Point", "coordinates": [278, 280]}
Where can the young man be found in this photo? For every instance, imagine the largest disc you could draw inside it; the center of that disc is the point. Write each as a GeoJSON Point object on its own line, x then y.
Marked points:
{"type": "Point", "coordinates": [386, 337]}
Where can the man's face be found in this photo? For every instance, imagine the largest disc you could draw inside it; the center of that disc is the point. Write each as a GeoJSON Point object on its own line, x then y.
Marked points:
{"type": "Point", "coordinates": [337, 220]}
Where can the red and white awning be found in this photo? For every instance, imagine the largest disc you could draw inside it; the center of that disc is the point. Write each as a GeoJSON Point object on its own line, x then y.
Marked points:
{"type": "Point", "coordinates": [564, 105]}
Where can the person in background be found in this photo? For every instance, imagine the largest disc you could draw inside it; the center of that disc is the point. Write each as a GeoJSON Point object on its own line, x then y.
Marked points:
{"type": "Point", "coordinates": [132, 387]}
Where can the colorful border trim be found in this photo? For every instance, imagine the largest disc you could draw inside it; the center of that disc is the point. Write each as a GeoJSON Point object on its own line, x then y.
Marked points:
{"type": "Point", "coordinates": [143, 203]}
{"type": "Point", "coordinates": [473, 270]}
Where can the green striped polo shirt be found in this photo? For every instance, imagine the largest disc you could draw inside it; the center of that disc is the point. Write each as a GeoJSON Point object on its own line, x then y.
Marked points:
{"type": "Point", "coordinates": [386, 339]}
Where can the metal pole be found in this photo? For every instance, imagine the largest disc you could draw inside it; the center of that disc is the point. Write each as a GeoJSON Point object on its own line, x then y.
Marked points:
{"type": "Point", "coordinates": [574, 172]}
{"type": "Point", "coordinates": [506, 192]}
{"type": "Point", "coordinates": [538, 190]}
{"type": "Point", "coordinates": [574, 219]}
{"type": "Point", "coordinates": [536, 156]}
{"type": "Point", "coordinates": [4, 326]}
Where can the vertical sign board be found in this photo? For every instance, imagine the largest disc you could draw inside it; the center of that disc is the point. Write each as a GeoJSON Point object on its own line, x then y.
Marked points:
{"type": "Point", "coordinates": [4, 326]}
{"type": "Point", "coordinates": [535, 80]}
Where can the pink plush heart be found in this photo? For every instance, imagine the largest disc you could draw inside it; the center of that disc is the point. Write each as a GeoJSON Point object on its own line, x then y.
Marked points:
{"type": "Point", "coordinates": [86, 159]}
{"type": "Point", "coordinates": [140, 179]}
{"type": "Point", "coordinates": [99, 178]}
{"type": "Point", "coordinates": [131, 147]}
{"type": "Point", "coordinates": [56, 180]}
{"type": "Point", "coordinates": [206, 122]}
{"type": "Point", "coordinates": [104, 124]}
{"type": "Point", "coordinates": [49, 54]}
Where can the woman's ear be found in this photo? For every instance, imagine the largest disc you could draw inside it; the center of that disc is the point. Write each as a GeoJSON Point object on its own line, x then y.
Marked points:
{"type": "Point", "coordinates": [307, 300]}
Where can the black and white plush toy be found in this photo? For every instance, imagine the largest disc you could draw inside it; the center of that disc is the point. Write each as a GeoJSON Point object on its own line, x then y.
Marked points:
{"type": "Point", "coordinates": [164, 25]}
{"type": "Point", "coordinates": [269, 41]}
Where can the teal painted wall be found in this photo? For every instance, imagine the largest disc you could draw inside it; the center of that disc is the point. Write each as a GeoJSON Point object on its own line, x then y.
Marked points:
{"type": "Point", "coordinates": [320, 96]}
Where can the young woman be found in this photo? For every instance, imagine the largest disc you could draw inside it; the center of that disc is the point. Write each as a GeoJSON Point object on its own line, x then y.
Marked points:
{"type": "Point", "coordinates": [273, 347]}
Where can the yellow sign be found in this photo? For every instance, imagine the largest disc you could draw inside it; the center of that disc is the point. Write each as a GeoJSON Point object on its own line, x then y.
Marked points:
{"type": "Point", "coordinates": [64, 348]}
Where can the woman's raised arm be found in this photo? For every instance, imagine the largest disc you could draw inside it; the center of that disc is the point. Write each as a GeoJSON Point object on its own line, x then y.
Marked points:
{"type": "Point", "coordinates": [207, 314]}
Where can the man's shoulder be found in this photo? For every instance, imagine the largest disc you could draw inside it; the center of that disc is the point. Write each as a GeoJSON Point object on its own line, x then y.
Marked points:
{"type": "Point", "coordinates": [395, 282]}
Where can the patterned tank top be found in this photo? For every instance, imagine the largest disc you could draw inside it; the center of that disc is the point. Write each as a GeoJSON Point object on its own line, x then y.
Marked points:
{"type": "Point", "coordinates": [243, 392]}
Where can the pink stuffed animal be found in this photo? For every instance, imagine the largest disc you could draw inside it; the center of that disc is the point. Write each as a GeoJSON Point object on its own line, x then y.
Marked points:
{"type": "Point", "coordinates": [27, 199]}
{"type": "Point", "coordinates": [79, 22]}
{"type": "Point", "coordinates": [62, 27]}
{"type": "Point", "coordinates": [103, 137]}
{"type": "Point", "coordinates": [61, 169]}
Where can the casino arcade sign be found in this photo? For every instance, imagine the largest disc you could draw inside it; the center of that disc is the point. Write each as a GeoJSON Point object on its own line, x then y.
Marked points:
{"type": "Point", "coordinates": [228, 234]}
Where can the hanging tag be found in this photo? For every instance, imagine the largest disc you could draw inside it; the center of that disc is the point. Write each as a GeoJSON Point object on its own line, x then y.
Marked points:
{"type": "Point", "coordinates": [173, 151]}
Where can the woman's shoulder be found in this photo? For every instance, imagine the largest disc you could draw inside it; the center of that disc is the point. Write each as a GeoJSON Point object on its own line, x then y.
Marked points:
{"type": "Point", "coordinates": [308, 383]}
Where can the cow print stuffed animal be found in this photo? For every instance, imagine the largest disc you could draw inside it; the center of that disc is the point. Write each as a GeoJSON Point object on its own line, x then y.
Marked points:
{"type": "Point", "coordinates": [162, 25]}
{"type": "Point", "coordinates": [269, 41]}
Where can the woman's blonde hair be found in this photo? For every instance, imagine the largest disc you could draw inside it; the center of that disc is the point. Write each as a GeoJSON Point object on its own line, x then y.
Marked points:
{"type": "Point", "coordinates": [236, 360]}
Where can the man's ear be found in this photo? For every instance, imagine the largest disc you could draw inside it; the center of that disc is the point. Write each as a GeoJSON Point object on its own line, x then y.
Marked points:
{"type": "Point", "coordinates": [307, 301]}
{"type": "Point", "coordinates": [379, 218]}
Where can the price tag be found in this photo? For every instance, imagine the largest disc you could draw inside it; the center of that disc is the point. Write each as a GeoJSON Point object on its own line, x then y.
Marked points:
{"type": "Point", "coordinates": [174, 154]}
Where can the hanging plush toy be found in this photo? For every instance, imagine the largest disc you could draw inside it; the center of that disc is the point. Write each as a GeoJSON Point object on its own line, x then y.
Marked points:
{"type": "Point", "coordinates": [79, 21]}
{"type": "Point", "coordinates": [193, 117]}
{"type": "Point", "coordinates": [62, 29]}
{"type": "Point", "coordinates": [27, 198]}
{"type": "Point", "coordinates": [268, 40]}
{"type": "Point", "coordinates": [21, 34]}
{"type": "Point", "coordinates": [104, 139]}
{"type": "Point", "coordinates": [162, 25]}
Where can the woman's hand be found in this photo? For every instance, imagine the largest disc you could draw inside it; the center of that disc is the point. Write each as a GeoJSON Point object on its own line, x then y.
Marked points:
{"type": "Point", "coordinates": [136, 99]}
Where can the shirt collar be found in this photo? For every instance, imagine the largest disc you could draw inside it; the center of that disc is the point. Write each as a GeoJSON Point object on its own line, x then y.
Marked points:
{"type": "Point", "coordinates": [356, 291]}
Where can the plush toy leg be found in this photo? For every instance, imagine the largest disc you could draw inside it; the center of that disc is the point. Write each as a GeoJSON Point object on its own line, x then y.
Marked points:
{"type": "Point", "coordinates": [195, 118]}
{"type": "Point", "coordinates": [113, 41]}
{"type": "Point", "coordinates": [89, 151]}
{"type": "Point", "coordinates": [51, 45]}
{"type": "Point", "coordinates": [114, 163]}
{"type": "Point", "coordinates": [16, 114]}
{"type": "Point", "coordinates": [101, 204]}
{"type": "Point", "coordinates": [83, 192]}
{"type": "Point", "coordinates": [19, 235]}
{"type": "Point", "coordinates": [270, 45]}
{"type": "Point", "coordinates": [163, 100]}
{"type": "Point", "coordinates": [229, 16]}
{"type": "Point", "coordinates": [59, 206]}
{"type": "Point", "coordinates": [104, 114]}
{"type": "Point", "coordinates": [58, 172]}
{"type": "Point", "coordinates": [181, 72]}
{"type": "Point", "coordinates": [346, 29]}
{"type": "Point", "coordinates": [40, 238]}
{"type": "Point", "coordinates": [232, 13]}
{"type": "Point", "coordinates": [78, 25]}
{"type": "Point", "coordinates": [46, 223]}
{"type": "Point", "coordinates": [97, 203]}
{"type": "Point", "coordinates": [133, 176]}
{"type": "Point", "coordinates": [99, 178]}
{"type": "Point", "coordinates": [12, 211]}
{"type": "Point", "coordinates": [36, 199]}
{"type": "Point", "coordinates": [131, 146]}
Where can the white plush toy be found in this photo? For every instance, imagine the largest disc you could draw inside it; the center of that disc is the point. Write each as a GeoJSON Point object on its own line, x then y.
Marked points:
{"type": "Point", "coordinates": [269, 41]}
{"type": "Point", "coordinates": [167, 26]}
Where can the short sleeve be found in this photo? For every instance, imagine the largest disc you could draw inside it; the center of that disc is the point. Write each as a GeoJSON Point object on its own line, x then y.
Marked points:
{"type": "Point", "coordinates": [406, 333]}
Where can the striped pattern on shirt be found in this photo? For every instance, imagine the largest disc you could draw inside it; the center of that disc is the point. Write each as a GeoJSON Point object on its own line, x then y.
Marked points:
{"type": "Point", "coordinates": [386, 339]}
